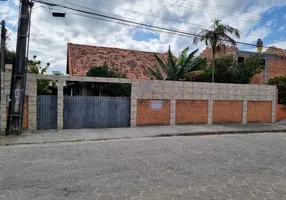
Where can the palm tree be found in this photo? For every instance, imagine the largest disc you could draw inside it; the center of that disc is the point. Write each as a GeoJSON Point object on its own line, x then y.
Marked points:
{"type": "Point", "coordinates": [217, 36]}
{"type": "Point", "coordinates": [177, 68]}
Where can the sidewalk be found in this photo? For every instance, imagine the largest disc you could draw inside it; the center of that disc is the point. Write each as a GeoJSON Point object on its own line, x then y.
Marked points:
{"type": "Point", "coordinates": [76, 135]}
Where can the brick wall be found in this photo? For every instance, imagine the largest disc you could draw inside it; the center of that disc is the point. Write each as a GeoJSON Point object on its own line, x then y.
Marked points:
{"type": "Point", "coordinates": [281, 112]}
{"type": "Point", "coordinates": [227, 111]}
{"type": "Point", "coordinates": [191, 112]}
{"type": "Point", "coordinates": [276, 67]}
{"type": "Point", "coordinates": [224, 50]}
{"type": "Point", "coordinates": [259, 111]}
{"type": "Point", "coordinates": [26, 111]}
{"type": "Point", "coordinates": [153, 112]}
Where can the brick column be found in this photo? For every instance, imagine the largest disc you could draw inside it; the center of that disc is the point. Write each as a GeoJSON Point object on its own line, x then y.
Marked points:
{"type": "Point", "coordinates": [31, 91]}
{"type": "Point", "coordinates": [173, 112]}
{"type": "Point", "coordinates": [60, 86]}
{"type": "Point", "coordinates": [274, 104]}
{"type": "Point", "coordinates": [133, 112]}
{"type": "Point", "coordinates": [210, 111]}
{"type": "Point", "coordinates": [244, 112]}
{"type": "Point", "coordinates": [136, 93]}
{"type": "Point", "coordinates": [5, 90]}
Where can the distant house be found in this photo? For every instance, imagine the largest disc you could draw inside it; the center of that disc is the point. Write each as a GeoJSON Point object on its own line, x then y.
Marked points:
{"type": "Point", "coordinates": [274, 59]}
{"type": "Point", "coordinates": [132, 63]}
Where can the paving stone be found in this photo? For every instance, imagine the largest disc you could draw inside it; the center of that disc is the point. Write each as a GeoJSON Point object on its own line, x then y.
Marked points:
{"type": "Point", "coordinates": [206, 167]}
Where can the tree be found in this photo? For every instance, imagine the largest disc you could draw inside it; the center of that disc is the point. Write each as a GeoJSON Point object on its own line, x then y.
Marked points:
{"type": "Point", "coordinates": [280, 82]}
{"type": "Point", "coordinates": [227, 70]}
{"type": "Point", "coordinates": [107, 89]}
{"type": "Point", "coordinates": [217, 37]}
{"type": "Point", "coordinates": [9, 56]}
{"type": "Point", "coordinates": [45, 87]}
{"type": "Point", "coordinates": [177, 68]}
{"type": "Point", "coordinates": [35, 67]}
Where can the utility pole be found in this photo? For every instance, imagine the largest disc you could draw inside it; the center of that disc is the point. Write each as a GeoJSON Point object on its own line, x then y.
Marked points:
{"type": "Point", "coordinates": [19, 71]}
{"type": "Point", "coordinates": [213, 54]}
{"type": "Point", "coordinates": [3, 42]}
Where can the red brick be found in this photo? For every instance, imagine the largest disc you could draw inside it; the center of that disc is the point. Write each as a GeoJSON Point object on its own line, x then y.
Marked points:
{"type": "Point", "coordinates": [191, 112]}
{"type": "Point", "coordinates": [280, 112]}
{"type": "Point", "coordinates": [259, 111]}
{"type": "Point", "coordinates": [227, 112]}
{"type": "Point", "coordinates": [148, 116]}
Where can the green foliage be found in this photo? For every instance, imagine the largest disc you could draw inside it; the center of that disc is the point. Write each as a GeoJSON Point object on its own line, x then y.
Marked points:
{"type": "Point", "coordinates": [9, 56]}
{"type": "Point", "coordinates": [217, 35]}
{"type": "Point", "coordinates": [44, 86]}
{"type": "Point", "coordinates": [176, 68]}
{"type": "Point", "coordinates": [280, 82]}
{"type": "Point", "coordinates": [227, 70]}
{"type": "Point", "coordinates": [108, 89]}
{"type": "Point", "coordinates": [35, 66]}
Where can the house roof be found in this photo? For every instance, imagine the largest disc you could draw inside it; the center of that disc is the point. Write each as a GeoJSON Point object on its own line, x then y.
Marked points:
{"type": "Point", "coordinates": [132, 63]}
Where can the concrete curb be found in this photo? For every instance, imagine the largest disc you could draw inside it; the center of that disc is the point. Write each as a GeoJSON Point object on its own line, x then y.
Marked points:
{"type": "Point", "coordinates": [153, 136]}
{"type": "Point", "coordinates": [220, 133]}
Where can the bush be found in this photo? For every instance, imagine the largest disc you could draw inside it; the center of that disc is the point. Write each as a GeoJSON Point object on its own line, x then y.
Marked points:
{"type": "Point", "coordinates": [108, 89]}
{"type": "Point", "coordinates": [227, 70]}
{"type": "Point", "coordinates": [280, 82]}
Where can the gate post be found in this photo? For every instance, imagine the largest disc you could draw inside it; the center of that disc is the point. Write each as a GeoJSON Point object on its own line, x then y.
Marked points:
{"type": "Point", "coordinates": [274, 105]}
{"type": "Point", "coordinates": [173, 112]}
{"type": "Point", "coordinates": [31, 89]}
{"type": "Point", "coordinates": [244, 112]}
{"type": "Point", "coordinates": [60, 109]}
{"type": "Point", "coordinates": [133, 112]}
{"type": "Point", "coordinates": [210, 112]}
{"type": "Point", "coordinates": [5, 89]}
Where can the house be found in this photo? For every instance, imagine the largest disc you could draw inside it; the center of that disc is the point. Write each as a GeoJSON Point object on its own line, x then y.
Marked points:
{"type": "Point", "coordinates": [132, 63]}
{"type": "Point", "coordinates": [274, 59]}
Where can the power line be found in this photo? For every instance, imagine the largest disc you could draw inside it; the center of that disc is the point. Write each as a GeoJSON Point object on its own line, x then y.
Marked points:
{"type": "Point", "coordinates": [231, 10]}
{"type": "Point", "coordinates": [9, 7]}
{"type": "Point", "coordinates": [215, 10]}
{"type": "Point", "coordinates": [184, 22]}
{"type": "Point", "coordinates": [132, 22]}
{"type": "Point", "coordinates": [140, 13]}
{"type": "Point", "coordinates": [247, 19]}
{"type": "Point", "coordinates": [192, 5]}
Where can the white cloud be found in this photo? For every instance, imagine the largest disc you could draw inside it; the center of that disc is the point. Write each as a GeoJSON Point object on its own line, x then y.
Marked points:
{"type": "Point", "coordinates": [280, 44]}
{"type": "Point", "coordinates": [260, 32]}
{"type": "Point", "coordinates": [49, 36]}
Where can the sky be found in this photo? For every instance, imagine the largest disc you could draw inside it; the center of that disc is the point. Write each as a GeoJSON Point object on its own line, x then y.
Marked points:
{"type": "Point", "coordinates": [265, 19]}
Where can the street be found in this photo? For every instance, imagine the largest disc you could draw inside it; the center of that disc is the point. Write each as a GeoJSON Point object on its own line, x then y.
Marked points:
{"type": "Point", "coordinates": [246, 166]}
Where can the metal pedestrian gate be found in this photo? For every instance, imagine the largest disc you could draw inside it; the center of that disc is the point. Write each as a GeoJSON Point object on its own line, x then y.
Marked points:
{"type": "Point", "coordinates": [47, 112]}
{"type": "Point", "coordinates": [96, 112]}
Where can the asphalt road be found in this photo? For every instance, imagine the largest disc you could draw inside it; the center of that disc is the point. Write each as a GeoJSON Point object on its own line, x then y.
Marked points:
{"type": "Point", "coordinates": [200, 167]}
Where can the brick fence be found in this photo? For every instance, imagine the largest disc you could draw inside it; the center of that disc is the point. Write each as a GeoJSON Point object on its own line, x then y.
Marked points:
{"type": "Point", "coordinates": [281, 112]}
{"type": "Point", "coordinates": [166, 102]}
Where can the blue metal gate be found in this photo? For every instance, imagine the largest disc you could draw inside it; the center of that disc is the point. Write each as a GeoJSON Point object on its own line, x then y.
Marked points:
{"type": "Point", "coordinates": [96, 112]}
{"type": "Point", "coordinates": [47, 112]}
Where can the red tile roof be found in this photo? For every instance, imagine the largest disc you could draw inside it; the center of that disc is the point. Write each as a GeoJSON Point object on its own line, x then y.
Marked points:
{"type": "Point", "coordinates": [133, 63]}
